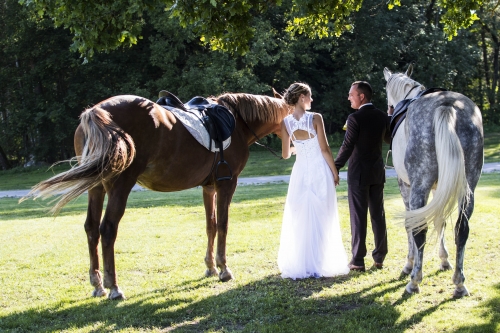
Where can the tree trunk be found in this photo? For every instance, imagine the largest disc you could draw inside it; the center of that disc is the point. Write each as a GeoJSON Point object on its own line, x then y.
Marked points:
{"type": "Point", "coordinates": [4, 162]}
{"type": "Point", "coordinates": [494, 78]}
{"type": "Point", "coordinates": [485, 58]}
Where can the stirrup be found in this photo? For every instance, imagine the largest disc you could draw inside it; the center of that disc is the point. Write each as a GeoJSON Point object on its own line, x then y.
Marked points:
{"type": "Point", "coordinates": [217, 178]}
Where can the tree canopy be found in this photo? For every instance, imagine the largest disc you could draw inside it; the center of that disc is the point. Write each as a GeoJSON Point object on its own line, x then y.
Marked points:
{"type": "Point", "coordinates": [44, 86]}
{"type": "Point", "coordinates": [224, 25]}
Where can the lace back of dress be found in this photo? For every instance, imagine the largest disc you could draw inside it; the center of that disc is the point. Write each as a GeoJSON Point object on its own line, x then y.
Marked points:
{"type": "Point", "coordinates": [305, 123]}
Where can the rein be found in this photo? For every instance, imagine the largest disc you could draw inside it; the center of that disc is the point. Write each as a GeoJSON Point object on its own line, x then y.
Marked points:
{"type": "Point", "coordinates": [387, 159]}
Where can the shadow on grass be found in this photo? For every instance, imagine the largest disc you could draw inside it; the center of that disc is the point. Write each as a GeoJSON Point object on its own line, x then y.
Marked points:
{"type": "Point", "coordinates": [271, 304]}
{"type": "Point", "coordinates": [491, 312]}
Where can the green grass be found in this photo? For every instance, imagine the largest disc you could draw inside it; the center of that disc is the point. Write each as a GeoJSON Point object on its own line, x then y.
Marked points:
{"type": "Point", "coordinates": [24, 178]}
{"type": "Point", "coordinates": [159, 257]}
{"type": "Point", "coordinates": [491, 147]}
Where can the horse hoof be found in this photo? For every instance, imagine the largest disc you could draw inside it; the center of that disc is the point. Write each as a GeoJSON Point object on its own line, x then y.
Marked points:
{"type": "Point", "coordinates": [406, 270]}
{"type": "Point", "coordinates": [410, 289]}
{"type": "Point", "coordinates": [445, 267]}
{"type": "Point", "coordinates": [458, 293]}
{"type": "Point", "coordinates": [116, 294]}
{"type": "Point", "coordinates": [99, 292]}
{"type": "Point", "coordinates": [211, 272]}
{"type": "Point", "coordinates": [226, 275]}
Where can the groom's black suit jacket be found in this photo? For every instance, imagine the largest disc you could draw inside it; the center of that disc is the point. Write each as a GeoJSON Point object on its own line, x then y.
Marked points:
{"type": "Point", "coordinates": [362, 146]}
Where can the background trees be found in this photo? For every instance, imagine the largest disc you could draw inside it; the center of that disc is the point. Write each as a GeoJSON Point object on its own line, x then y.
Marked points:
{"type": "Point", "coordinates": [44, 86]}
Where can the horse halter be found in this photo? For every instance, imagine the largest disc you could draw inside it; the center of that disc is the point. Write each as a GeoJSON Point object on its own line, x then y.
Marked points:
{"type": "Point", "coordinates": [408, 93]}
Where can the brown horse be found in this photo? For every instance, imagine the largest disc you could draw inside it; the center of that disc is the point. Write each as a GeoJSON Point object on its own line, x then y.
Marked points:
{"type": "Point", "coordinates": [126, 140]}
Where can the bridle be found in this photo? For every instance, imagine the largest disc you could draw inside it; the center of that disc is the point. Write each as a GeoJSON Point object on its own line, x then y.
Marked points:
{"type": "Point", "coordinates": [255, 135]}
{"type": "Point", "coordinates": [233, 107]}
{"type": "Point", "coordinates": [408, 93]}
{"type": "Point", "coordinates": [392, 107]}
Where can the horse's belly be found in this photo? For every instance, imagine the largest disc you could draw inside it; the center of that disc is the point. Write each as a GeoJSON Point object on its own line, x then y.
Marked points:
{"type": "Point", "coordinates": [399, 144]}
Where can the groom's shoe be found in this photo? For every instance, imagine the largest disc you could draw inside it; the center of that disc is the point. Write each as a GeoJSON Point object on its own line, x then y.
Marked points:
{"type": "Point", "coordinates": [353, 267]}
{"type": "Point", "coordinates": [378, 265]}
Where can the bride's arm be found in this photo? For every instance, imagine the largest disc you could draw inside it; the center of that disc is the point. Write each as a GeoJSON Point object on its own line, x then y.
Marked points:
{"type": "Point", "coordinates": [319, 126]}
{"type": "Point", "coordinates": [286, 150]}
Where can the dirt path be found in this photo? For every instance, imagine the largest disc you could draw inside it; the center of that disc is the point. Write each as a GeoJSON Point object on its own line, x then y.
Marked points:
{"type": "Point", "coordinates": [390, 173]}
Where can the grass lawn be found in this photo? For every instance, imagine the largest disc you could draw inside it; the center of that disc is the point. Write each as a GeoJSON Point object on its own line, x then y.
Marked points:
{"type": "Point", "coordinates": [159, 258]}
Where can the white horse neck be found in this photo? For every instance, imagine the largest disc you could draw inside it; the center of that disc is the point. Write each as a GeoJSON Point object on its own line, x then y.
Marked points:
{"type": "Point", "coordinates": [402, 87]}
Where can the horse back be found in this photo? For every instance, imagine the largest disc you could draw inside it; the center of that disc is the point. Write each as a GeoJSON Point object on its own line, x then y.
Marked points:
{"type": "Point", "coordinates": [467, 124]}
{"type": "Point", "coordinates": [168, 158]}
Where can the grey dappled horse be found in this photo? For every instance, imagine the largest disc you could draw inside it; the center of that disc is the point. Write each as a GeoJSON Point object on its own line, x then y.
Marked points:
{"type": "Point", "coordinates": [439, 147]}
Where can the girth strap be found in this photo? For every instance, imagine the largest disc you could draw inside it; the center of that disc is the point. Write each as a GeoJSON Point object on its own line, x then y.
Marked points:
{"type": "Point", "coordinates": [217, 119]}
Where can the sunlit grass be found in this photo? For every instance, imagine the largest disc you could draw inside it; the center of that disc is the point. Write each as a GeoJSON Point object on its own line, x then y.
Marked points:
{"type": "Point", "coordinates": [160, 249]}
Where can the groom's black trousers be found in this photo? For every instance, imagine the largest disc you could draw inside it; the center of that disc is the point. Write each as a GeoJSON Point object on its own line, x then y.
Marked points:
{"type": "Point", "coordinates": [361, 199]}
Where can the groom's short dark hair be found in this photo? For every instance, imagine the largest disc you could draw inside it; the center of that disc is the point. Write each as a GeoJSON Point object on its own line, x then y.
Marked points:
{"type": "Point", "coordinates": [364, 88]}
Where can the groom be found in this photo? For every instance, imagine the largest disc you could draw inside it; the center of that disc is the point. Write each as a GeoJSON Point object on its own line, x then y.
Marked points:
{"type": "Point", "coordinates": [367, 127]}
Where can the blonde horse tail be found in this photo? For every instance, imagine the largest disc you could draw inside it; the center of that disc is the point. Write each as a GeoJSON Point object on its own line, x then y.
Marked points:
{"type": "Point", "coordinates": [107, 152]}
{"type": "Point", "coordinates": [452, 187]}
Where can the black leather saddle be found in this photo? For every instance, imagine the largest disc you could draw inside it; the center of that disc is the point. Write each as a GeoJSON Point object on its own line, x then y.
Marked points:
{"type": "Point", "coordinates": [217, 119]}
{"type": "Point", "coordinates": [402, 107]}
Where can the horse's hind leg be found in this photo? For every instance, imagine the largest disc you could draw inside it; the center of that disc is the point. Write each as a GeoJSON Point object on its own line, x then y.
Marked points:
{"type": "Point", "coordinates": [461, 236]}
{"type": "Point", "coordinates": [443, 252]}
{"type": "Point", "coordinates": [210, 212]}
{"type": "Point", "coordinates": [118, 192]}
{"type": "Point", "coordinates": [94, 212]}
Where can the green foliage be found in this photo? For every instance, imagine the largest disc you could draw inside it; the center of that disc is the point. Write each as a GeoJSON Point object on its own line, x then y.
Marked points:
{"type": "Point", "coordinates": [224, 25]}
{"type": "Point", "coordinates": [45, 87]}
{"type": "Point", "coordinates": [458, 14]}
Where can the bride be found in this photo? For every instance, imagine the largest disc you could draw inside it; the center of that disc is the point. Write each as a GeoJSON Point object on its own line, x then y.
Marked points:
{"type": "Point", "coordinates": [311, 242]}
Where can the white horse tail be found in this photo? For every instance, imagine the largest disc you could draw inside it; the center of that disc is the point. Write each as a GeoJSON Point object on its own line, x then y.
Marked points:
{"type": "Point", "coordinates": [452, 186]}
{"type": "Point", "coordinates": [107, 152]}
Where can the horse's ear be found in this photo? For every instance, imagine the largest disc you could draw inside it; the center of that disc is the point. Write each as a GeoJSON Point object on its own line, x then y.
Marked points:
{"type": "Point", "coordinates": [277, 94]}
{"type": "Point", "coordinates": [387, 74]}
{"type": "Point", "coordinates": [409, 71]}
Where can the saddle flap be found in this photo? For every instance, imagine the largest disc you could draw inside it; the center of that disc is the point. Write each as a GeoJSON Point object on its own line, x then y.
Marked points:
{"type": "Point", "coordinates": [223, 120]}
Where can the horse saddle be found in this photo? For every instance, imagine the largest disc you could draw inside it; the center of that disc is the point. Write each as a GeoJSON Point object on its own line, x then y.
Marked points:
{"type": "Point", "coordinates": [402, 107]}
{"type": "Point", "coordinates": [218, 121]}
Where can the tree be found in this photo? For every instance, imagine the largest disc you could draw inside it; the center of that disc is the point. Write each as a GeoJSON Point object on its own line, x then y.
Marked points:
{"type": "Point", "coordinates": [489, 31]}
{"type": "Point", "coordinates": [226, 25]}
{"type": "Point", "coordinates": [44, 87]}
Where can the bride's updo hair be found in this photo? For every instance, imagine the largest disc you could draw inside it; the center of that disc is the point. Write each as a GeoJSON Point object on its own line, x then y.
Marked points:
{"type": "Point", "coordinates": [292, 94]}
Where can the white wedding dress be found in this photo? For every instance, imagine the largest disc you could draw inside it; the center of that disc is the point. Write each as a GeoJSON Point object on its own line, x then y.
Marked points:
{"type": "Point", "coordinates": [311, 241]}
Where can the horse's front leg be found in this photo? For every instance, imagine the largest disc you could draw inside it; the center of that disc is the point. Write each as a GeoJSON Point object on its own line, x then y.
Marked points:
{"type": "Point", "coordinates": [210, 212]}
{"type": "Point", "coordinates": [410, 258]}
{"type": "Point", "coordinates": [416, 273]}
{"type": "Point", "coordinates": [225, 191]}
{"type": "Point", "coordinates": [405, 194]}
{"type": "Point", "coordinates": [94, 212]}
{"type": "Point", "coordinates": [461, 236]}
{"type": "Point", "coordinates": [418, 198]}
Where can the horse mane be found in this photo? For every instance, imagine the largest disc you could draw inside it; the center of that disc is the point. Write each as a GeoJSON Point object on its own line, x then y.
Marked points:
{"type": "Point", "coordinates": [398, 86]}
{"type": "Point", "coordinates": [255, 107]}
